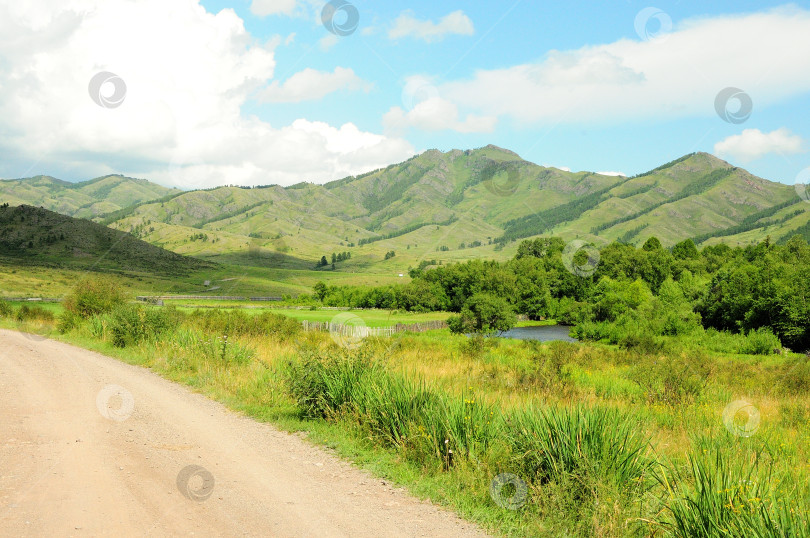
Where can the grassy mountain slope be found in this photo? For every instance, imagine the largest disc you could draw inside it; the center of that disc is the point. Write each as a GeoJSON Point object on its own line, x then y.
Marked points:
{"type": "Point", "coordinates": [487, 199]}
{"type": "Point", "coordinates": [35, 236]}
{"type": "Point", "coordinates": [84, 200]}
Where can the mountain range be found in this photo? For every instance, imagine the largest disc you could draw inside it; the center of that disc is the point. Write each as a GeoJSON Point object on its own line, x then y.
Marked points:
{"type": "Point", "coordinates": [445, 206]}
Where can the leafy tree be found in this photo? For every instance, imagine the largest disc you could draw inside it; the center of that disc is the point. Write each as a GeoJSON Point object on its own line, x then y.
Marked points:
{"type": "Point", "coordinates": [483, 314]}
{"type": "Point", "coordinates": [652, 244]}
{"type": "Point", "coordinates": [320, 290]}
{"type": "Point", "coordinates": [685, 250]}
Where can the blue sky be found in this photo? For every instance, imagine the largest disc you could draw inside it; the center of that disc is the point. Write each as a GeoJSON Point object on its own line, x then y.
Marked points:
{"type": "Point", "coordinates": [260, 91]}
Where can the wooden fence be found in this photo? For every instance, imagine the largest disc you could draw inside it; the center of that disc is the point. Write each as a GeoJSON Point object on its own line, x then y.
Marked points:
{"type": "Point", "coordinates": [32, 299]}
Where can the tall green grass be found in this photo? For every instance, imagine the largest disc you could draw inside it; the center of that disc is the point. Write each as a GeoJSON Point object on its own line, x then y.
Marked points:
{"type": "Point", "coordinates": [734, 493]}
{"type": "Point", "coordinates": [579, 450]}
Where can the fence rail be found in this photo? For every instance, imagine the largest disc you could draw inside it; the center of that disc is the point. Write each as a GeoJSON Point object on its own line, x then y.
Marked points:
{"type": "Point", "coordinates": [32, 299]}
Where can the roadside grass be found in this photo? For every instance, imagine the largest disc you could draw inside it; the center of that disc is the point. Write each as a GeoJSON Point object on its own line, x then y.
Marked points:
{"type": "Point", "coordinates": [609, 441]}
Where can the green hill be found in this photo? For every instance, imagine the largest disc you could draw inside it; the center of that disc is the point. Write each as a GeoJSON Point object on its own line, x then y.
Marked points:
{"type": "Point", "coordinates": [437, 206]}
{"type": "Point", "coordinates": [458, 205]}
{"type": "Point", "coordinates": [37, 237]}
{"type": "Point", "coordinates": [86, 199]}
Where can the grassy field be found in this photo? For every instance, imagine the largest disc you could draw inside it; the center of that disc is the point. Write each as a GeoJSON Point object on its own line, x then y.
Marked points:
{"type": "Point", "coordinates": [245, 281]}
{"type": "Point", "coordinates": [369, 317]}
{"type": "Point", "coordinates": [607, 441]}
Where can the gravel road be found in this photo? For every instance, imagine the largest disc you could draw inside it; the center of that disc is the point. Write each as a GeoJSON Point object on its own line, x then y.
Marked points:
{"type": "Point", "coordinates": [91, 446]}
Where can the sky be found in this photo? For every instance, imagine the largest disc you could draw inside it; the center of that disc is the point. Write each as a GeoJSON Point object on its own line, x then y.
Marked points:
{"type": "Point", "coordinates": [201, 93]}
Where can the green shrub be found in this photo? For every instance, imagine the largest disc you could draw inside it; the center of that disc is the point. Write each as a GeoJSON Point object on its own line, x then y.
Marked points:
{"type": "Point", "coordinates": [474, 346]}
{"type": "Point", "coordinates": [761, 341]}
{"type": "Point", "coordinates": [26, 312]}
{"type": "Point", "coordinates": [672, 380]}
{"type": "Point", "coordinates": [322, 384]}
{"type": "Point", "coordinates": [645, 344]}
{"type": "Point", "coordinates": [6, 311]}
{"type": "Point", "coordinates": [93, 296]}
{"type": "Point", "coordinates": [132, 324]}
{"type": "Point", "coordinates": [237, 323]}
{"type": "Point", "coordinates": [551, 365]}
{"type": "Point", "coordinates": [68, 321]}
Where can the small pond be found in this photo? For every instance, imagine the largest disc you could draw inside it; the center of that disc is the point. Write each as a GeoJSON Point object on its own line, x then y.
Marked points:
{"type": "Point", "coordinates": [543, 333]}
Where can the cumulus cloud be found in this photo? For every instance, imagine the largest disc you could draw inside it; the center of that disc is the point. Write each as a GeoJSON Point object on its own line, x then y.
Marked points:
{"type": "Point", "coordinates": [181, 121]}
{"type": "Point", "coordinates": [455, 23]}
{"type": "Point", "coordinates": [753, 144]}
{"type": "Point", "coordinates": [263, 8]}
{"type": "Point", "coordinates": [436, 114]}
{"type": "Point", "coordinates": [617, 174]}
{"type": "Point", "coordinates": [309, 84]}
{"type": "Point", "coordinates": [664, 78]}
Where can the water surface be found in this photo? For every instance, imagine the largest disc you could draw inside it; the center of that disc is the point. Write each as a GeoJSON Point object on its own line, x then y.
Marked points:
{"type": "Point", "coordinates": [542, 333]}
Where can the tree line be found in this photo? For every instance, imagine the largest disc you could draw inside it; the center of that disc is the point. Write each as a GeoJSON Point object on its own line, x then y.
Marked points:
{"type": "Point", "coordinates": [651, 290]}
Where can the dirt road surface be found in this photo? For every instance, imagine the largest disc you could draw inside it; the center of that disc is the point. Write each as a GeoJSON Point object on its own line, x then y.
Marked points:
{"type": "Point", "coordinates": [90, 446]}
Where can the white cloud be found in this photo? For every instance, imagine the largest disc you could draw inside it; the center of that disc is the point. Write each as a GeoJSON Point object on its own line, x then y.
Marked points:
{"type": "Point", "coordinates": [436, 114]}
{"type": "Point", "coordinates": [309, 84]}
{"type": "Point", "coordinates": [328, 41]}
{"type": "Point", "coordinates": [675, 77]}
{"type": "Point", "coordinates": [454, 23]}
{"type": "Point", "coordinates": [262, 8]}
{"type": "Point", "coordinates": [753, 144]}
{"type": "Point", "coordinates": [181, 121]}
{"type": "Point", "coordinates": [618, 174]}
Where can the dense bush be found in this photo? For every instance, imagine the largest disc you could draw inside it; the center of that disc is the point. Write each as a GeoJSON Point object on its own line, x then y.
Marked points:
{"type": "Point", "coordinates": [26, 312]}
{"type": "Point", "coordinates": [131, 324]}
{"type": "Point", "coordinates": [93, 296]}
{"type": "Point", "coordinates": [237, 323]}
{"type": "Point", "coordinates": [761, 341]}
